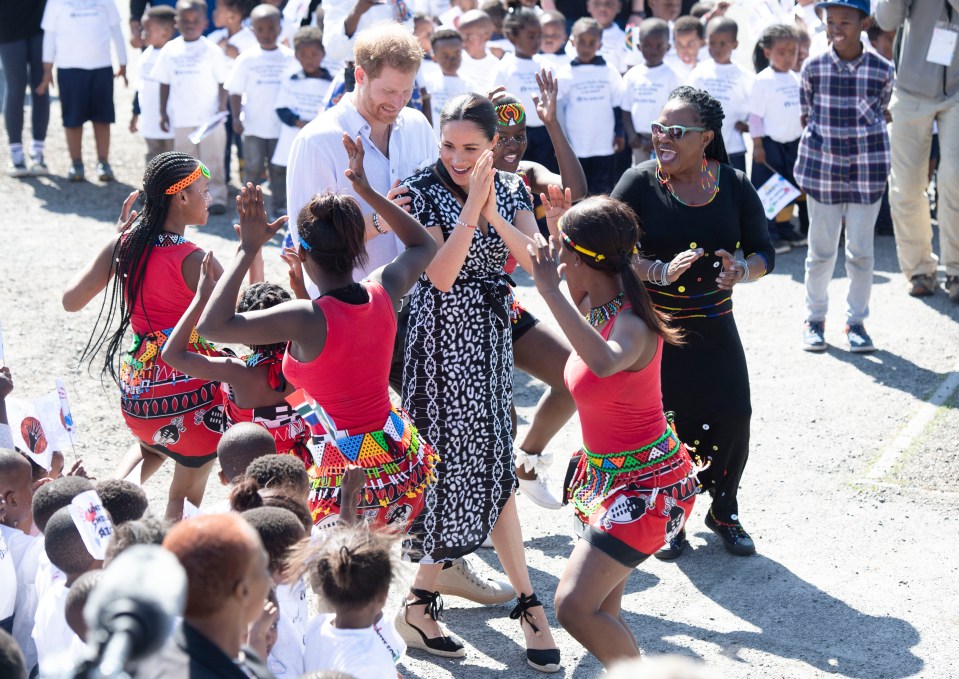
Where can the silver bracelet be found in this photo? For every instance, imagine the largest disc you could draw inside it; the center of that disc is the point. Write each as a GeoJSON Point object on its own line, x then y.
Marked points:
{"type": "Point", "coordinates": [376, 224]}
{"type": "Point", "coordinates": [659, 277]}
{"type": "Point", "coordinates": [745, 276]}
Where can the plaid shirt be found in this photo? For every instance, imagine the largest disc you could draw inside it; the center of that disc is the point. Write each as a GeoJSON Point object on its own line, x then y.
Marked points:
{"type": "Point", "coordinates": [844, 150]}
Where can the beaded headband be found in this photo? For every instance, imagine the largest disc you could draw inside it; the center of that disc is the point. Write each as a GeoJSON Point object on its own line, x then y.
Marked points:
{"type": "Point", "coordinates": [510, 114]}
{"type": "Point", "coordinates": [597, 257]}
{"type": "Point", "coordinates": [189, 179]}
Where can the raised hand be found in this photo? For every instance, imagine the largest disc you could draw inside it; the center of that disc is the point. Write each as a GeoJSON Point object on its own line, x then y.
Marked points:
{"type": "Point", "coordinates": [557, 203]}
{"type": "Point", "coordinates": [481, 177]}
{"type": "Point", "coordinates": [127, 213]}
{"type": "Point", "coordinates": [547, 274]}
{"type": "Point", "coordinates": [254, 230]}
{"type": "Point", "coordinates": [297, 283]}
{"type": "Point", "coordinates": [355, 172]}
{"type": "Point", "coordinates": [207, 277]}
{"type": "Point", "coordinates": [546, 101]}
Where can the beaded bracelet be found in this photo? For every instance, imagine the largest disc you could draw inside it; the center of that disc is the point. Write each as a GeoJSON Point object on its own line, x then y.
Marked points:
{"type": "Point", "coordinates": [460, 222]}
{"type": "Point", "coordinates": [376, 224]}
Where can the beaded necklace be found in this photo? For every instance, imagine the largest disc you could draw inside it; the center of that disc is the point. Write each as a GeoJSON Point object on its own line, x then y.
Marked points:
{"type": "Point", "coordinates": [707, 172]}
{"type": "Point", "coordinates": [604, 313]}
{"type": "Point", "coordinates": [166, 239]}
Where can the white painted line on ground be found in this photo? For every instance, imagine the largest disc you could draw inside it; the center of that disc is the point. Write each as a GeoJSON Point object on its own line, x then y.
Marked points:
{"type": "Point", "coordinates": [924, 415]}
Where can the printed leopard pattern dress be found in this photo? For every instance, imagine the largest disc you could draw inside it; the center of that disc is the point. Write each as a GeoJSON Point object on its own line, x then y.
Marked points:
{"type": "Point", "coordinates": [458, 377]}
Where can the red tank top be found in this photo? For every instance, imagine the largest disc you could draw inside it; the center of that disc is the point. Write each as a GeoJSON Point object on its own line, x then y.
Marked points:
{"type": "Point", "coordinates": [164, 295]}
{"type": "Point", "coordinates": [620, 412]}
{"type": "Point", "coordinates": [351, 376]}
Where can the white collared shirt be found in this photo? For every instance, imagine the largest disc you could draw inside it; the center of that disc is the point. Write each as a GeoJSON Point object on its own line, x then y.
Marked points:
{"type": "Point", "coordinates": [318, 162]}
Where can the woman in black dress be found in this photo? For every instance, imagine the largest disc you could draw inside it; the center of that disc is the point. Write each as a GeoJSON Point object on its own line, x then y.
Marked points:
{"type": "Point", "coordinates": [697, 212]}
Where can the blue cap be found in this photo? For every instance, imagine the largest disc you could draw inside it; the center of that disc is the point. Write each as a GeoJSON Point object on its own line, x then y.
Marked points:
{"type": "Point", "coordinates": [862, 5]}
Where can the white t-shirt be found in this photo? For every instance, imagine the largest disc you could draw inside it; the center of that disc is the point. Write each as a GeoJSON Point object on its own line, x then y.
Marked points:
{"type": "Point", "coordinates": [26, 551]}
{"type": "Point", "coordinates": [8, 576]}
{"type": "Point", "coordinates": [304, 96]}
{"type": "Point", "coordinates": [148, 92]}
{"type": "Point", "coordinates": [441, 89]}
{"type": "Point", "coordinates": [519, 77]}
{"type": "Point", "coordinates": [257, 75]}
{"type": "Point", "coordinates": [58, 648]}
{"type": "Point", "coordinates": [480, 73]}
{"type": "Point", "coordinates": [557, 61]}
{"type": "Point", "coordinates": [645, 91]}
{"type": "Point", "coordinates": [340, 47]}
{"type": "Point", "coordinates": [318, 161]}
{"type": "Point", "coordinates": [286, 657]}
{"type": "Point", "coordinates": [77, 33]}
{"type": "Point", "coordinates": [242, 40]}
{"type": "Point", "coordinates": [731, 85]}
{"type": "Point", "coordinates": [194, 71]}
{"type": "Point", "coordinates": [367, 653]}
{"type": "Point", "coordinates": [586, 98]}
{"type": "Point", "coordinates": [775, 99]}
{"type": "Point", "coordinates": [684, 70]}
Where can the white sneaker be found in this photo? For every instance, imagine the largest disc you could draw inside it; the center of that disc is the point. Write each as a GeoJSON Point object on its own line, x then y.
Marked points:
{"type": "Point", "coordinates": [537, 489]}
{"type": "Point", "coordinates": [461, 580]}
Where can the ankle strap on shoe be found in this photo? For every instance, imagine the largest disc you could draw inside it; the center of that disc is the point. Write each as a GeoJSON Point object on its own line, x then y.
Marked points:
{"type": "Point", "coordinates": [432, 600]}
{"type": "Point", "coordinates": [524, 603]}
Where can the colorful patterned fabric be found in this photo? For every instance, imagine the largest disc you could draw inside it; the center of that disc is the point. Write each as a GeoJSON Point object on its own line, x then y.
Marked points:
{"type": "Point", "coordinates": [844, 150]}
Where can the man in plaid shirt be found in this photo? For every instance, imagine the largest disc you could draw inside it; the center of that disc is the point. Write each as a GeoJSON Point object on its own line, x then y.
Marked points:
{"type": "Point", "coordinates": [842, 166]}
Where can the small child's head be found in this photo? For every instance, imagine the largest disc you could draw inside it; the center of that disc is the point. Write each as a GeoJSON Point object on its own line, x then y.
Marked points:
{"type": "Point", "coordinates": [604, 11]}
{"type": "Point", "coordinates": [56, 495]}
{"type": "Point", "coordinates": [653, 41]}
{"type": "Point", "coordinates": [447, 47]}
{"type": "Point", "coordinates": [158, 26]}
{"type": "Point", "coordinates": [125, 501]}
{"type": "Point", "coordinates": [701, 9]}
{"type": "Point", "coordinates": [521, 27]}
{"type": "Point", "coordinates": [77, 597]}
{"type": "Point", "coordinates": [279, 529]}
{"type": "Point", "coordinates": [64, 546]}
{"type": "Point", "coordinates": [332, 234]}
{"type": "Point", "coordinates": [248, 494]}
{"type": "Point", "coordinates": [845, 21]}
{"type": "Point", "coordinates": [258, 297]}
{"type": "Point", "coordinates": [423, 28]}
{"type": "Point", "coordinates": [239, 446]}
{"type": "Point", "coordinates": [308, 49]}
{"type": "Point", "coordinates": [16, 489]}
{"type": "Point", "coordinates": [721, 36]}
{"type": "Point", "coordinates": [805, 42]}
{"type": "Point", "coordinates": [688, 37]}
{"type": "Point", "coordinates": [667, 10]}
{"type": "Point", "coordinates": [266, 23]}
{"type": "Point", "coordinates": [778, 47]}
{"type": "Point", "coordinates": [12, 664]}
{"type": "Point", "coordinates": [230, 14]}
{"type": "Point", "coordinates": [496, 11]}
{"type": "Point", "coordinates": [191, 19]}
{"type": "Point", "coordinates": [587, 37]}
{"type": "Point", "coordinates": [881, 40]}
{"type": "Point", "coordinates": [476, 28]}
{"type": "Point", "coordinates": [282, 473]}
{"type": "Point", "coordinates": [553, 35]}
{"type": "Point", "coordinates": [146, 531]}
{"type": "Point", "coordinates": [352, 569]}
{"type": "Point", "coordinates": [511, 128]}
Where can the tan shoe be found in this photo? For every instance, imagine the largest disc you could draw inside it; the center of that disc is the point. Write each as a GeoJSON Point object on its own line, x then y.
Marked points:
{"type": "Point", "coordinates": [461, 580]}
{"type": "Point", "coordinates": [922, 285]}
{"type": "Point", "coordinates": [445, 646]}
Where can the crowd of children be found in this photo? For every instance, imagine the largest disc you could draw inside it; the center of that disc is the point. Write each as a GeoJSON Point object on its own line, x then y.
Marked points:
{"type": "Point", "coordinates": [251, 84]}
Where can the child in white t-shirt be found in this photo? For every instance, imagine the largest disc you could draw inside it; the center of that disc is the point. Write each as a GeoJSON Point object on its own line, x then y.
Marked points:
{"type": "Point", "coordinates": [231, 35]}
{"type": "Point", "coordinates": [614, 49]}
{"type": "Point", "coordinates": [76, 39]}
{"type": "Point", "coordinates": [517, 72]}
{"type": "Point", "coordinates": [159, 26]}
{"type": "Point", "coordinates": [254, 85]}
{"type": "Point", "coordinates": [688, 42]}
{"type": "Point", "coordinates": [554, 38]}
{"type": "Point", "coordinates": [646, 88]}
{"type": "Point", "coordinates": [589, 93]}
{"type": "Point", "coordinates": [775, 122]}
{"type": "Point", "coordinates": [299, 101]}
{"type": "Point", "coordinates": [479, 65]}
{"type": "Point", "coordinates": [728, 82]}
{"type": "Point", "coordinates": [191, 71]}
{"type": "Point", "coordinates": [443, 86]}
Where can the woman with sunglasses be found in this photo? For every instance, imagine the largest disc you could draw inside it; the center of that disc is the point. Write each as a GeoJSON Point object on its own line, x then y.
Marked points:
{"type": "Point", "coordinates": [697, 212]}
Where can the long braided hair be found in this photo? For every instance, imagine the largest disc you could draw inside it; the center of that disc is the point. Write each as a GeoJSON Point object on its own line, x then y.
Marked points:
{"type": "Point", "coordinates": [611, 229]}
{"type": "Point", "coordinates": [710, 114]}
{"type": "Point", "coordinates": [130, 257]}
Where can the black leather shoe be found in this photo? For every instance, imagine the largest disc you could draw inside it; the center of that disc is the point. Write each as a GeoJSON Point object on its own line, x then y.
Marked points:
{"type": "Point", "coordinates": [735, 538]}
{"type": "Point", "coordinates": [674, 548]}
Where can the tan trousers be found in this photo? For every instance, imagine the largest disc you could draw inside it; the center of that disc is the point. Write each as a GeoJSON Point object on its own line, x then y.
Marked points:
{"type": "Point", "coordinates": [210, 152]}
{"type": "Point", "coordinates": [911, 140]}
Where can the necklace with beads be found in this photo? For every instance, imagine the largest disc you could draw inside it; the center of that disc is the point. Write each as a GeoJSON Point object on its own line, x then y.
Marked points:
{"type": "Point", "coordinates": [604, 313]}
{"type": "Point", "coordinates": [709, 183]}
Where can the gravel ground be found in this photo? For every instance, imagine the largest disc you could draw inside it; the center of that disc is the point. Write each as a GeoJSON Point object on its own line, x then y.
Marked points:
{"type": "Point", "coordinates": [852, 578]}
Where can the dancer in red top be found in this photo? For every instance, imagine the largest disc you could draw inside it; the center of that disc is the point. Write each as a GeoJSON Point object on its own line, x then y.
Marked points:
{"type": "Point", "coordinates": [340, 345]}
{"type": "Point", "coordinates": [155, 271]}
{"type": "Point", "coordinates": [635, 484]}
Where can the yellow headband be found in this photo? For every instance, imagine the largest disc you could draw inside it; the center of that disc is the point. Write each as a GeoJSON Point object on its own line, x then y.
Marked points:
{"type": "Point", "coordinates": [189, 179]}
{"type": "Point", "coordinates": [598, 257]}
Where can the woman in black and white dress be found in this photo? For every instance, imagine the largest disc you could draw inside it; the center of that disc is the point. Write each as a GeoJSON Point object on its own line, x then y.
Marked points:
{"type": "Point", "coordinates": [458, 372]}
